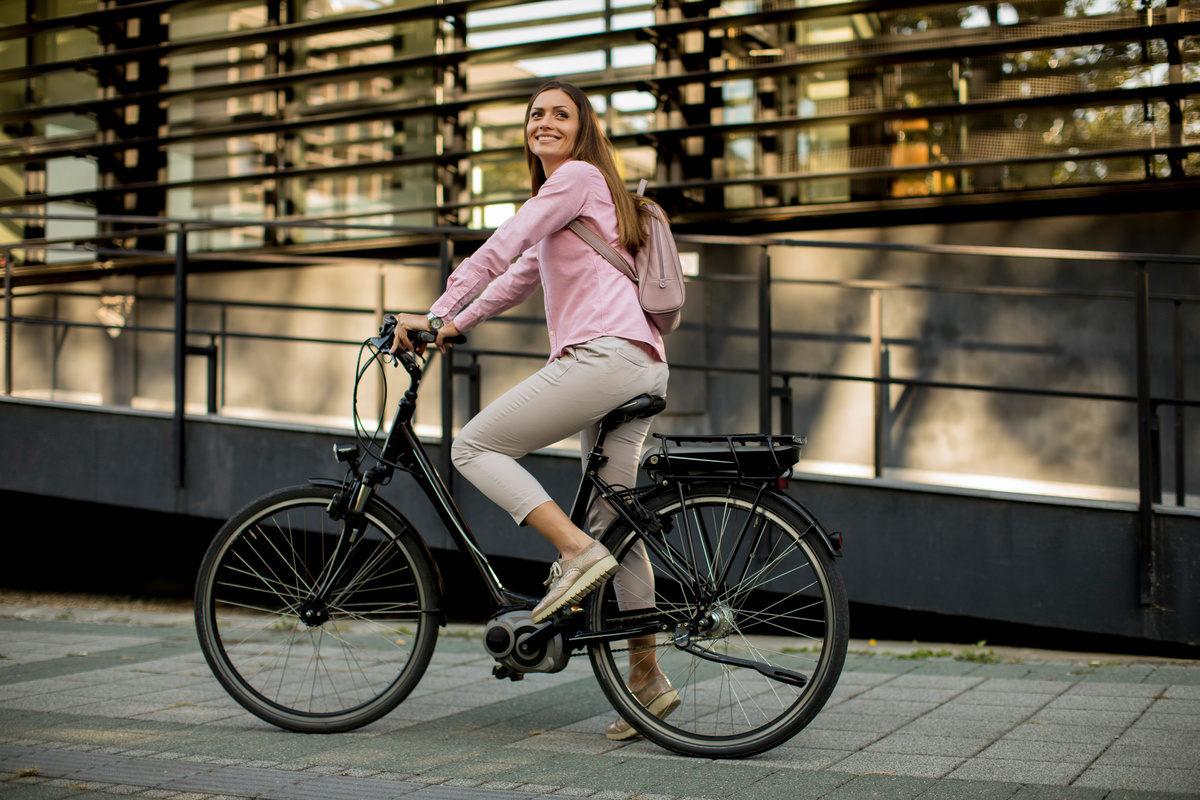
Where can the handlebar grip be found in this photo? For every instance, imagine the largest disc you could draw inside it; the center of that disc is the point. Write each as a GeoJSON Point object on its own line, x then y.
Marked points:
{"type": "Point", "coordinates": [429, 337]}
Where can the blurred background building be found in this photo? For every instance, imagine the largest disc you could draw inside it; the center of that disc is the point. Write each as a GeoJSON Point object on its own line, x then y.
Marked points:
{"type": "Point", "coordinates": [746, 116]}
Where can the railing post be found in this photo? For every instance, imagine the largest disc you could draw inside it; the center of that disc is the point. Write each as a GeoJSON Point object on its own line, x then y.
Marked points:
{"type": "Point", "coordinates": [8, 323]}
{"type": "Point", "coordinates": [222, 354]}
{"type": "Point", "coordinates": [447, 377]}
{"type": "Point", "coordinates": [879, 372]}
{"type": "Point", "coordinates": [765, 361]}
{"type": "Point", "coordinates": [210, 354]}
{"type": "Point", "coordinates": [180, 355]}
{"type": "Point", "coordinates": [1180, 411]}
{"type": "Point", "coordinates": [1146, 466]}
{"type": "Point", "coordinates": [380, 299]}
{"type": "Point", "coordinates": [474, 379]}
{"type": "Point", "coordinates": [784, 393]}
{"type": "Point", "coordinates": [56, 345]}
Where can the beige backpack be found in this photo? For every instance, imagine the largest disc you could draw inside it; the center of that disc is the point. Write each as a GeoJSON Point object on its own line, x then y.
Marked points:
{"type": "Point", "coordinates": [656, 270]}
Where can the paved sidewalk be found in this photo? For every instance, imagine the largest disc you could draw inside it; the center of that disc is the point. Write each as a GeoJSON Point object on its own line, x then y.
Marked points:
{"type": "Point", "coordinates": [100, 704]}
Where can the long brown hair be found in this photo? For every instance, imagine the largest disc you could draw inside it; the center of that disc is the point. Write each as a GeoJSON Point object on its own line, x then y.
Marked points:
{"type": "Point", "coordinates": [592, 146]}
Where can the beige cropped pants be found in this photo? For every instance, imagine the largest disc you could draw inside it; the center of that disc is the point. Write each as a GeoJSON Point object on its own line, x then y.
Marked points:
{"type": "Point", "coordinates": [569, 395]}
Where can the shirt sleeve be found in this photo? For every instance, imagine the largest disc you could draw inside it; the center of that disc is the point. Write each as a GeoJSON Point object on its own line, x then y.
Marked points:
{"type": "Point", "coordinates": [562, 198]}
{"type": "Point", "coordinates": [511, 289]}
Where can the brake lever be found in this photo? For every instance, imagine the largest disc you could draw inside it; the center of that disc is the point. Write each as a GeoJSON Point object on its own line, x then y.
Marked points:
{"type": "Point", "coordinates": [387, 333]}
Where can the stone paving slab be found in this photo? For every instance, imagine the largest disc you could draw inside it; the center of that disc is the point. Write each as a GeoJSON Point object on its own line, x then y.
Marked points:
{"type": "Point", "coordinates": [97, 709]}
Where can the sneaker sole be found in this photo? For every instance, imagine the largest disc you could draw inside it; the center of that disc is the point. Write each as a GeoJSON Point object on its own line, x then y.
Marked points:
{"type": "Point", "coordinates": [661, 707]}
{"type": "Point", "coordinates": [664, 704]}
{"type": "Point", "coordinates": [604, 568]}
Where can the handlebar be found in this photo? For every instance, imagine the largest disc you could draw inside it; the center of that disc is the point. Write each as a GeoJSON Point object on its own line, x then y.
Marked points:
{"type": "Point", "coordinates": [387, 332]}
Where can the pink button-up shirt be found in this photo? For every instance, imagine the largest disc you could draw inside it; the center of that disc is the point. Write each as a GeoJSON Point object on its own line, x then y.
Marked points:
{"type": "Point", "coordinates": [586, 297]}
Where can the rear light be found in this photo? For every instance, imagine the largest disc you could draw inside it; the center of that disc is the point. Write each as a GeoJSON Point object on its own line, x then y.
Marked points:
{"type": "Point", "coordinates": [782, 483]}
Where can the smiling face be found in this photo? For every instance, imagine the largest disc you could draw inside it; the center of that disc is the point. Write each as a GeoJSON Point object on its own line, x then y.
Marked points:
{"type": "Point", "coordinates": [552, 128]}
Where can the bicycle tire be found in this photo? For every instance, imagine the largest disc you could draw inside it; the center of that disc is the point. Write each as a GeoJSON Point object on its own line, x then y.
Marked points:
{"type": "Point", "coordinates": [367, 647]}
{"type": "Point", "coordinates": [786, 608]}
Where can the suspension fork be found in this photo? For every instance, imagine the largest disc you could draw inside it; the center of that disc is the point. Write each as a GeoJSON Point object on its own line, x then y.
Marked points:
{"type": "Point", "coordinates": [352, 509]}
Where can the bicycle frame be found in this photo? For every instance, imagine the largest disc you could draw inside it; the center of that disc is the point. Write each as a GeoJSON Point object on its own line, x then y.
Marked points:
{"type": "Point", "coordinates": [403, 448]}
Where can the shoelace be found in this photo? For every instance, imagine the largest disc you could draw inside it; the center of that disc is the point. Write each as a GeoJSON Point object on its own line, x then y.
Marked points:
{"type": "Point", "coordinates": [555, 573]}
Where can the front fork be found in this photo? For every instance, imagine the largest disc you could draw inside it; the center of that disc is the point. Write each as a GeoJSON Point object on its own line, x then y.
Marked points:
{"type": "Point", "coordinates": [349, 506]}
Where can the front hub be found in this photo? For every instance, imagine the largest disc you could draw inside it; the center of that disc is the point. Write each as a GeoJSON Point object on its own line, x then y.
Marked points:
{"type": "Point", "coordinates": [314, 612]}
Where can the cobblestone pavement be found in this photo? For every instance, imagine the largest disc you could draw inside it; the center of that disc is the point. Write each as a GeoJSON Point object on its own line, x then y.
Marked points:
{"type": "Point", "coordinates": [101, 704]}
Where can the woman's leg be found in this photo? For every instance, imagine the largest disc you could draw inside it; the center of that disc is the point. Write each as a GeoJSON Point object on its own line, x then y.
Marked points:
{"type": "Point", "coordinates": [550, 521]}
{"type": "Point", "coordinates": [634, 583]}
{"type": "Point", "coordinates": [563, 398]}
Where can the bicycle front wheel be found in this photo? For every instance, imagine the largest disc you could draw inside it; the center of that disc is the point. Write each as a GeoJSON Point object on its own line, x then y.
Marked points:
{"type": "Point", "coordinates": [298, 660]}
{"type": "Point", "coordinates": [757, 616]}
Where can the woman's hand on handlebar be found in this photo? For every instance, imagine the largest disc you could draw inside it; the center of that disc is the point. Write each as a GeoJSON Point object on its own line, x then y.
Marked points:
{"type": "Point", "coordinates": [408, 324]}
{"type": "Point", "coordinates": [448, 331]}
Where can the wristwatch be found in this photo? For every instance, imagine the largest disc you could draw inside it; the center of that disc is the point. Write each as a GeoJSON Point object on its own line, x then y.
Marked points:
{"type": "Point", "coordinates": [435, 322]}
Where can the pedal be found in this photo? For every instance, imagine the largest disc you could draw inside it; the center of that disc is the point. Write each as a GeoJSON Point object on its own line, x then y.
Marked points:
{"type": "Point", "coordinates": [501, 672]}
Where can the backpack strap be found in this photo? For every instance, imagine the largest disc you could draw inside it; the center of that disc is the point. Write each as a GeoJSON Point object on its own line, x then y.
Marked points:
{"type": "Point", "coordinates": [603, 248]}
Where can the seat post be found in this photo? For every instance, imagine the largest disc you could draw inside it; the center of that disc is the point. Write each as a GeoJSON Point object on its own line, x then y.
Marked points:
{"type": "Point", "coordinates": [595, 458]}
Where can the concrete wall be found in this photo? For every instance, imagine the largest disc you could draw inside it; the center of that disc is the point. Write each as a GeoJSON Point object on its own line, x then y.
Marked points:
{"type": "Point", "coordinates": [1066, 565]}
{"type": "Point", "coordinates": [1072, 344]}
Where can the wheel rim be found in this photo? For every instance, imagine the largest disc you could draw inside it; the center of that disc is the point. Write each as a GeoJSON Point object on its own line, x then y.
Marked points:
{"type": "Point", "coordinates": [764, 598]}
{"type": "Point", "coordinates": [305, 656]}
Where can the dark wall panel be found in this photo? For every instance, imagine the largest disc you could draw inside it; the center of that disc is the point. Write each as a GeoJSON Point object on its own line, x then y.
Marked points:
{"type": "Point", "coordinates": [1070, 566]}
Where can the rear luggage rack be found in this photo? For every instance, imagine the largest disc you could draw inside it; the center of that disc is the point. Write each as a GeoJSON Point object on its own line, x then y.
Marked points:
{"type": "Point", "coordinates": [752, 455]}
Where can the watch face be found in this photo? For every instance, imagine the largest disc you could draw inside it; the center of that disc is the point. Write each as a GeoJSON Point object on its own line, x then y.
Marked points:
{"type": "Point", "coordinates": [435, 322]}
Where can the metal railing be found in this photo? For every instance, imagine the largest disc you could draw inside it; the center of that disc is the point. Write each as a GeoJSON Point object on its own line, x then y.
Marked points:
{"type": "Point", "coordinates": [774, 386]}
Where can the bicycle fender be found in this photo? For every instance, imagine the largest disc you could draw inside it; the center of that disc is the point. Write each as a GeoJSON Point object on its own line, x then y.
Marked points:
{"type": "Point", "coordinates": [834, 549]}
{"type": "Point", "coordinates": [395, 512]}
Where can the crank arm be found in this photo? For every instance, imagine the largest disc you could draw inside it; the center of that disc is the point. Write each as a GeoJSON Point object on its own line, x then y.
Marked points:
{"type": "Point", "coordinates": [683, 641]}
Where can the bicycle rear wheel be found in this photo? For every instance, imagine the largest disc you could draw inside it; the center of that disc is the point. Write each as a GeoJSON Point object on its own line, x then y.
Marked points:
{"type": "Point", "coordinates": [292, 659]}
{"type": "Point", "coordinates": [745, 577]}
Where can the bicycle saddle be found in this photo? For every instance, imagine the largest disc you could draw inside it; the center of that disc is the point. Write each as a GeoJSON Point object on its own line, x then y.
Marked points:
{"type": "Point", "coordinates": [640, 407]}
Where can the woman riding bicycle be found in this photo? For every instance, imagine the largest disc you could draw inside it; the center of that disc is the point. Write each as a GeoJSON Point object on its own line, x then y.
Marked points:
{"type": "Point", "coordinates": [603, 351]}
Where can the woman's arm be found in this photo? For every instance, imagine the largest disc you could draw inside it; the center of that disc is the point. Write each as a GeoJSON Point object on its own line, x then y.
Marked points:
{"type": "Point", "coordinates": [510, 289]}
{"type": "Point", "coordinates": [561, 199]}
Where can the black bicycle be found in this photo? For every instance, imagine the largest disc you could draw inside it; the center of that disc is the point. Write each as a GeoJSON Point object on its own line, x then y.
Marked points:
{"type": "Point", "coordinates": [317, 606]}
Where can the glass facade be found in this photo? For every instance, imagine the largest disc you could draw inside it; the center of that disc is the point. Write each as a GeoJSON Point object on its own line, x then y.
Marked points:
{"type": "Point", "coordinates": [737, 111]}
